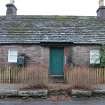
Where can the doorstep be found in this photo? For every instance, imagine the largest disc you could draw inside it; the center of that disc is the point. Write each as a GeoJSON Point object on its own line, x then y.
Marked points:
{"type": "Point", "coordinates": [58, 86]}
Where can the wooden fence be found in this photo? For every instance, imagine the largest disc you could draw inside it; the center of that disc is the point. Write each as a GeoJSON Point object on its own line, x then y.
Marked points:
{"type": "Point", "coordinates": [37, 74]}
{"type": "Point", "coordinates": [33, 74]}
{"type": "Point", "coordinates": [82, 77]}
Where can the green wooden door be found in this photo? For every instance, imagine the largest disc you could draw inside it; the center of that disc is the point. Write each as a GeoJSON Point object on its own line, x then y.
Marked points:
{"type": "Point", "coordinates": [56, 61]}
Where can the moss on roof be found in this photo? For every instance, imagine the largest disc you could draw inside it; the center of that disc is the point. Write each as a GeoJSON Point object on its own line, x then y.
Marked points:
{"type": "Point", "coordinates": [27, 29]}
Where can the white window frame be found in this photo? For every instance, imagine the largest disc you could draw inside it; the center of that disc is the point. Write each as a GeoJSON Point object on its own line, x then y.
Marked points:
{"type": "Point", "coordinates": [12, 55]}
{"type": "Point", "coordinates": [95, 56]}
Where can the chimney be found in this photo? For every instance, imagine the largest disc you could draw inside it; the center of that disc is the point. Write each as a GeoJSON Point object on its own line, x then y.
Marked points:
{"type": "Point", "coordinates": [11, 9]}
{"type": "Point", "coordinates": [101, 10]}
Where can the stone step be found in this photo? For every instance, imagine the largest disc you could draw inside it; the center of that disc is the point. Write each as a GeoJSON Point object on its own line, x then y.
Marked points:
{"type": "Point", "coordinates": [56, 79]}
{"type": "Point", "coordinates": [58, 86]}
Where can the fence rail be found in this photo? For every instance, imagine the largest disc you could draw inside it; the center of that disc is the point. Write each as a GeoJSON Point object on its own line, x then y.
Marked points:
{"type": "Point", "coordinates": [82, 77]}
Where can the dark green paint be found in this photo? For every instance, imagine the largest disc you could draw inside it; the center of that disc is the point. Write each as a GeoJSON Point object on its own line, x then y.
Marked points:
{"type": "Point", "coordinates": [56, 61]}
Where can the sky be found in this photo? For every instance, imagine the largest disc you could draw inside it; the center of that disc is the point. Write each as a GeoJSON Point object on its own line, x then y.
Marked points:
{"type": "Point", "coordinates": [53, 7]}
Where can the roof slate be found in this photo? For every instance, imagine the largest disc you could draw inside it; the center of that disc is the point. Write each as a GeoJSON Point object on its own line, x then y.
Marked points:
{"type": "Point", "coordinates": [36, 29]}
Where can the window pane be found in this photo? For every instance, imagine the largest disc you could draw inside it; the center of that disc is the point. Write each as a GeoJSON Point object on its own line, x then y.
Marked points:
{"type": "Point", "coordinates": [94, 57]}
{"type": "Point", "coordinates": [12, 56]}
{"type": "Point", "coordinates": [12, 52]}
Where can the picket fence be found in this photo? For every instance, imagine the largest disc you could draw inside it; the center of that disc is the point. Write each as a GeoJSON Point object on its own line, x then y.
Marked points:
{"type": "Point", "coordinates": [84, 77]}
{"type": "Point", "coordinates": [32, 74]}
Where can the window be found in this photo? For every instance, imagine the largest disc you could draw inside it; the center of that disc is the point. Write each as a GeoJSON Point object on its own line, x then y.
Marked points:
{"type": "Point", "coordinates": [94, 57]}
{"type": "Point", "coordinates": [12, 55]}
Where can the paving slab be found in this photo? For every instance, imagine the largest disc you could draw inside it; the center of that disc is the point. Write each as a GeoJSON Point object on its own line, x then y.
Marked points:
{"type": "Point", "coordinates": [76, 92]}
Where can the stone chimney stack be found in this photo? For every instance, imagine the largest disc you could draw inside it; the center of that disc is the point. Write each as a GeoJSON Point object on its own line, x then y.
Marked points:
{"type": "Point", "coordinates": [11, 9]}
{"type": "Point", "coordinates": [101, 3]}
{"type": "Point", "coordinates": [101, 10]}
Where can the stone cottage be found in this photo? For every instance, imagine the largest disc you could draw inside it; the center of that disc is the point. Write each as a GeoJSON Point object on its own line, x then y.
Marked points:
{"type": "Point", "coordinates": [56, 41]}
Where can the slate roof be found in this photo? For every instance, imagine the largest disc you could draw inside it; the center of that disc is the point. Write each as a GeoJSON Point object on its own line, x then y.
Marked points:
{"type": "Point", "coordinates": [36, 29]}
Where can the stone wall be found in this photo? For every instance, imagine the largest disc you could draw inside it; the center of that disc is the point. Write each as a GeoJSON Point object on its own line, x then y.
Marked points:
{"type": "Point", "coordinates": [76, 55]}
{"type": "Point", "coordinates": [80, 55]}
{"type": "Point", "coordinates": [34, 53]}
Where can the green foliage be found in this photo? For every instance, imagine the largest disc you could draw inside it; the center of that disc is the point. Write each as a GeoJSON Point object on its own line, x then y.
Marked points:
{"type": "Point", "coordinates": [102, 56]}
